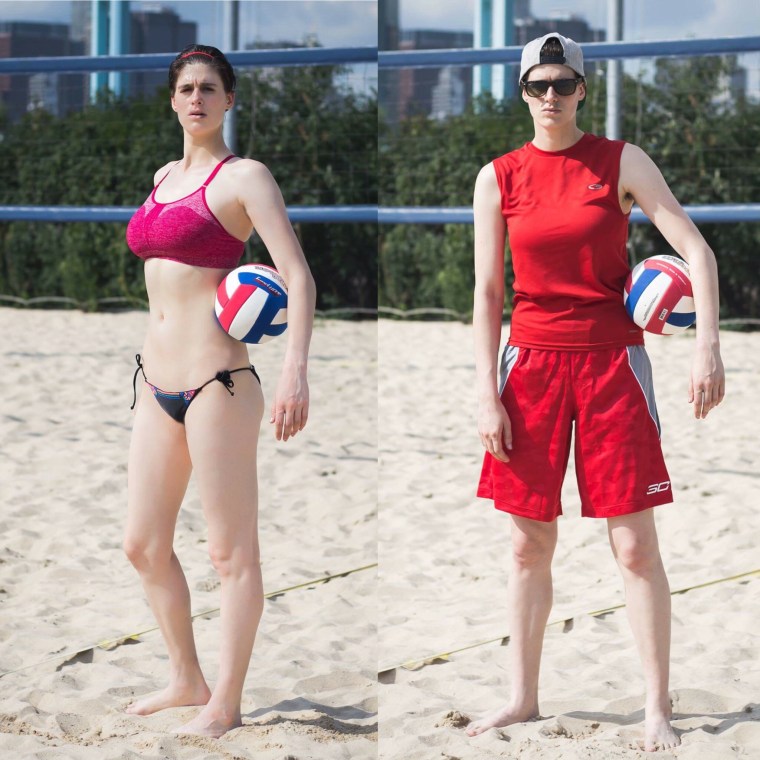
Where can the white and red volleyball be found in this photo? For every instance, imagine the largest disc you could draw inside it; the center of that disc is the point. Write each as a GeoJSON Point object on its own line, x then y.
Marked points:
{"type": "Point", "coordinates": [252, 303]}
{"type": "Point", "coordinates": [658, 295]}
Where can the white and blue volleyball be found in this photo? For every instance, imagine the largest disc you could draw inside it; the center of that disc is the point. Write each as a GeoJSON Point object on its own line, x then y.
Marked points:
{"type": "Point", "coordinates": [658, 295]}
{"type": "Point", "coordinates": [252, 303]}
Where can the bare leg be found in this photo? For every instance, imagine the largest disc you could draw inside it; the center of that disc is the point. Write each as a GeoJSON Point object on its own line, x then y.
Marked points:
{"type": "Point", "coordinates": [634, 543]}
{"type": "Point", "coordinates": [530, 601]}
{"type": "Point", "coordinates": [159, 469]}
{"type": "Point", "coordinates": [222, 435]}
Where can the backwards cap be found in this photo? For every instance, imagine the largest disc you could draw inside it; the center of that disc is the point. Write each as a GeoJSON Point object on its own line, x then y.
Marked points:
{"type": "Point", "coordinates": [572, 54]}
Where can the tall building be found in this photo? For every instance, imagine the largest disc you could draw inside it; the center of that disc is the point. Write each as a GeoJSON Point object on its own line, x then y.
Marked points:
{"type": "Point", "coordinates": [388, 79]}
{"type": "Point", "coordinates": [416, 86]}
{"type": "Point", "coordinates": [389, 29]}
{"type": "Point", "coordinates": [156, 29]}
{"type": "Point", "coordinates": [501, 23]}
{"type": "Point", "coordinates": [57, 93]}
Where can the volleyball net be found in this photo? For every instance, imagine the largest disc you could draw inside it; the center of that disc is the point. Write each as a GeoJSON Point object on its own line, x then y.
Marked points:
{"type": "Point", "coordinates": [75, 166]}
{"type": "Point", "coordinates": [693, 105]}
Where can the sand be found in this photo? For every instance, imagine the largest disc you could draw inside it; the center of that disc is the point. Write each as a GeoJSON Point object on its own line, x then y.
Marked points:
{"type": "Point", "coordinates": [66, 585]}
{"type": "Point", "coordinates": [444, 558]}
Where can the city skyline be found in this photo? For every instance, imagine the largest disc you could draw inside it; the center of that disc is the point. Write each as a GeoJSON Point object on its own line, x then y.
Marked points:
{"type": "Point", "coordinates": [336, 23]}
{"type": "Point", "coordinates": [643, 19]}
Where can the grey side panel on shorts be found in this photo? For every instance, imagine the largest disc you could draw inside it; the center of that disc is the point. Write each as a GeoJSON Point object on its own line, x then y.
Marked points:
{"type": "Point", "coordinates": [642, 369]}
{"type": "Point", "coordinates": [508, 359]}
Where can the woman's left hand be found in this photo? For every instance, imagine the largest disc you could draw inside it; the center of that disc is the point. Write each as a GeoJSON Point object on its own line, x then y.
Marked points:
{"type": "Point", "coordinates": [290, 408]}
{"type": "Point", "coordinates": [707, 383]}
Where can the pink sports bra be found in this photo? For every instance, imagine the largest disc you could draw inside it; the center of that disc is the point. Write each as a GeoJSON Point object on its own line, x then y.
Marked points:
{"type": "Point", "coordinates": [185, 230]}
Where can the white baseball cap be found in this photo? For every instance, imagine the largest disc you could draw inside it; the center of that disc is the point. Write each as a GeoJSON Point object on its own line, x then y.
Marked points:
{"type": "Point", "coordinates": [572, 54]}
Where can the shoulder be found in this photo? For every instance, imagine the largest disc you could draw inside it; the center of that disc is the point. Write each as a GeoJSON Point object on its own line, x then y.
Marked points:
{"type": "Point", "coordinates": [635, 155]}
{"type": "Point", "coordinates": [248, 169]}
{"type": "Point", "coordinates": [636, 163]}
{"type": "Point", "coordinates": [163, 171]}
{"type": "Point", "coordinates": [487, 175]}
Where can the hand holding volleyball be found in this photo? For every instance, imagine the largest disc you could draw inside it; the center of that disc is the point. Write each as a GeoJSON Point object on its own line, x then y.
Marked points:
{"type": "Point", "coordinates": [251, 303]}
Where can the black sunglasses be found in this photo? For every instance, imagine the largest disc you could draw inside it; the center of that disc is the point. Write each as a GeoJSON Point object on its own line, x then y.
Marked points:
{"type": "Point", "coordinates": [539, 87]}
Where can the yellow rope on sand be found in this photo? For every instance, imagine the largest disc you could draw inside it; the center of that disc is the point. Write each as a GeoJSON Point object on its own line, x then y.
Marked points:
{"type": "Point", "coordinates": [445, 656]}
{"type": "Point", "coordinates": [109, 644]}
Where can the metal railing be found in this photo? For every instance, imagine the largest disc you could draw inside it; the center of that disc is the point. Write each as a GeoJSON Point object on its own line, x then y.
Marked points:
{"type": "Point", "coordinates": [152, 61]}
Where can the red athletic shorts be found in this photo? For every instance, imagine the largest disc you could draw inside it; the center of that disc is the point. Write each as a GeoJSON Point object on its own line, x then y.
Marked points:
{"type": "Point", "coordinates": [608, 396]}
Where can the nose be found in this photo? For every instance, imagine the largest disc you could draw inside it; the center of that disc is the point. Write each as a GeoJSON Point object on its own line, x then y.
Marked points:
{"type": "Point", "coordinates": [551, 94]}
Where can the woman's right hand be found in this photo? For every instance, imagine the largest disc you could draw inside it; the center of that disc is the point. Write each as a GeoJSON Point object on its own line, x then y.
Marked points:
{"type": "Point", "coordinates": [495, 429]}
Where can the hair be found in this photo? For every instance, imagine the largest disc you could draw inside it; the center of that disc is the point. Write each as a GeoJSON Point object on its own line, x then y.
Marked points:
{"type": "Point", "coordinates": [552, 47]}
{"type": "Point", "coordinates": [204, 54]}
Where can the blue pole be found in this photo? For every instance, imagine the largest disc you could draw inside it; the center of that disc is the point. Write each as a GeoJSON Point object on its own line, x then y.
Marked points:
{"type": "Point", "coordinates": [118, 31]}
{"type": "Point", "coordinates": [98, 43]}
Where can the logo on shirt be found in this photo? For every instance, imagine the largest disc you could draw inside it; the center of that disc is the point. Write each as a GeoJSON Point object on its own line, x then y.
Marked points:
{"type": "Point", "coordinates": [595, 187]}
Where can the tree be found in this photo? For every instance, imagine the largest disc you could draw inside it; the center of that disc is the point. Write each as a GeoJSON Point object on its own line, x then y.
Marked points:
{"type": "Point", "coordinates": [705, 144]}
{"type": "Point", "coordinates": [317, 138]}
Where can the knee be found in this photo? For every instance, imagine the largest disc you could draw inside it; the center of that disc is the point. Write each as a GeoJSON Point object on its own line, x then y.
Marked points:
{"type": "Point", "coordinates": [637, 555]}
{"type": "Point", "coordinates": [145, 555]}
{"type": "Point", "coordinates": [532, 552]}
{"type": "Point", "coordinates": [233, 560]}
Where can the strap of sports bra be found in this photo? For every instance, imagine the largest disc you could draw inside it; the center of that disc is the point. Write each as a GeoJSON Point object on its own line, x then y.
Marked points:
{"type": "Point", "coordinates": [167, 173]}
{"type": "Point", "coordinates": [218, 167]}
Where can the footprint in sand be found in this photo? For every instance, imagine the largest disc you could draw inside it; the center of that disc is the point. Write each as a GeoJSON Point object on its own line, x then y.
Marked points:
{"type": "Point", "coordinates": [72, 725]}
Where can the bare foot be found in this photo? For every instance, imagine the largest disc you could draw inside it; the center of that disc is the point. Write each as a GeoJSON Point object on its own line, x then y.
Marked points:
{"type": "Point", "coordinates": [659, 734]}
{"type": "Point", "coordinates": [171, 696]}
{"type": "Point", "coordinates": [210, 722]}
{"type": "Point", "coordinates": [500, 718]}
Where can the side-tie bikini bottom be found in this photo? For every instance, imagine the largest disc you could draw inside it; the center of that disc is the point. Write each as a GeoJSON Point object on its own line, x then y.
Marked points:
{"type": "Point", "coordinates": [175, 403]}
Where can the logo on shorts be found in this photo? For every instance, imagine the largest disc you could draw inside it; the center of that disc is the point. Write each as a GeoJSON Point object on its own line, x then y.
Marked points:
{"type": "Point", "coordinates": [658, 487]}
{"type": "Point", "coordinates": [595, 187]}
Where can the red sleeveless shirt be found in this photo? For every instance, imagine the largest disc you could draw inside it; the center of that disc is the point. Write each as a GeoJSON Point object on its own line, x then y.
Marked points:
{"type": "Point", "coordinates": [184, 230]}
{"type": "Point", "coordinates": [567, 235]}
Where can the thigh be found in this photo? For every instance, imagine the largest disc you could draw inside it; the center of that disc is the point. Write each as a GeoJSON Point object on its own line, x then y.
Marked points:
{"type": "Point", "coordinates": [533, 537]}
{"type": "Point", "coordinates": [158, 473]}
{"type": "Point", "coordinates": [535, 396]}
{"type": "Point", "coordinates": [222, 436]}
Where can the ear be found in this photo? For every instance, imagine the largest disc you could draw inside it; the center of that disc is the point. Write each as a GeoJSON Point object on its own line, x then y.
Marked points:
{"type": "Point", "coordinates": [230, 100]}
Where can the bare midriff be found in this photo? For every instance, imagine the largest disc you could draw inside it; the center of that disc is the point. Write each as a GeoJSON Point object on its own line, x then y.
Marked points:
{"type": "Point", "coordinates": [185, 345]}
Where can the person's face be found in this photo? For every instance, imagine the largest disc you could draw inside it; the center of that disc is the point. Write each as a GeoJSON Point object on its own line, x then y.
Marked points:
{"type": "Point", "coordinates": [553, 109]}
{"type": "Point", "coordinates": [199, 98]}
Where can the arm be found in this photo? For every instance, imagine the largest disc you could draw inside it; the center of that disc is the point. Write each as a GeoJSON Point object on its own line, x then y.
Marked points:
{"type": "Point", "coordinates": [642, 180]}
{"type": "Point", "coordinates": [490, 235]}
{"type": "Point", "coordinates": [265, 207]}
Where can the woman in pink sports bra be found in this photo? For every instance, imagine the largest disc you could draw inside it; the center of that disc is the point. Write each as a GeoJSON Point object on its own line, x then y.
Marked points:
{"type": "Point", "coordinates": [204, 407]}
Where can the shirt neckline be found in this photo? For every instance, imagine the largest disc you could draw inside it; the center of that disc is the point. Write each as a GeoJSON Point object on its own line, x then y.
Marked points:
{"type": "Point", "coordinates": [558, 153]}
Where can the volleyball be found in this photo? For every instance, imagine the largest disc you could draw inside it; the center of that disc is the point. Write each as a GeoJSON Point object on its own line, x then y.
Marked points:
{"type": "Point", "coordinates": [251, 303]}
{"type": "Point", "coordinates": [658, 295]}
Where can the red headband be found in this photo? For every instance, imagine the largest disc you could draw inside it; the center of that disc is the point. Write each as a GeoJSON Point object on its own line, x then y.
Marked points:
{"type": "Point", "coordinates": [196, 52]}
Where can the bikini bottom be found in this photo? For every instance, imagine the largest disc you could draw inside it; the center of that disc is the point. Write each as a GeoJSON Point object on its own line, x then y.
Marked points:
{"type": "Point", "coordinates": [175, 403]}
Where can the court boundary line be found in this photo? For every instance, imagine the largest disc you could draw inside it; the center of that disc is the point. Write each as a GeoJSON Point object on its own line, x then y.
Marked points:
{"type": "Point", "coordinates": [442, 657]}
{"type": "Point", "coordinates": [111, 644]}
